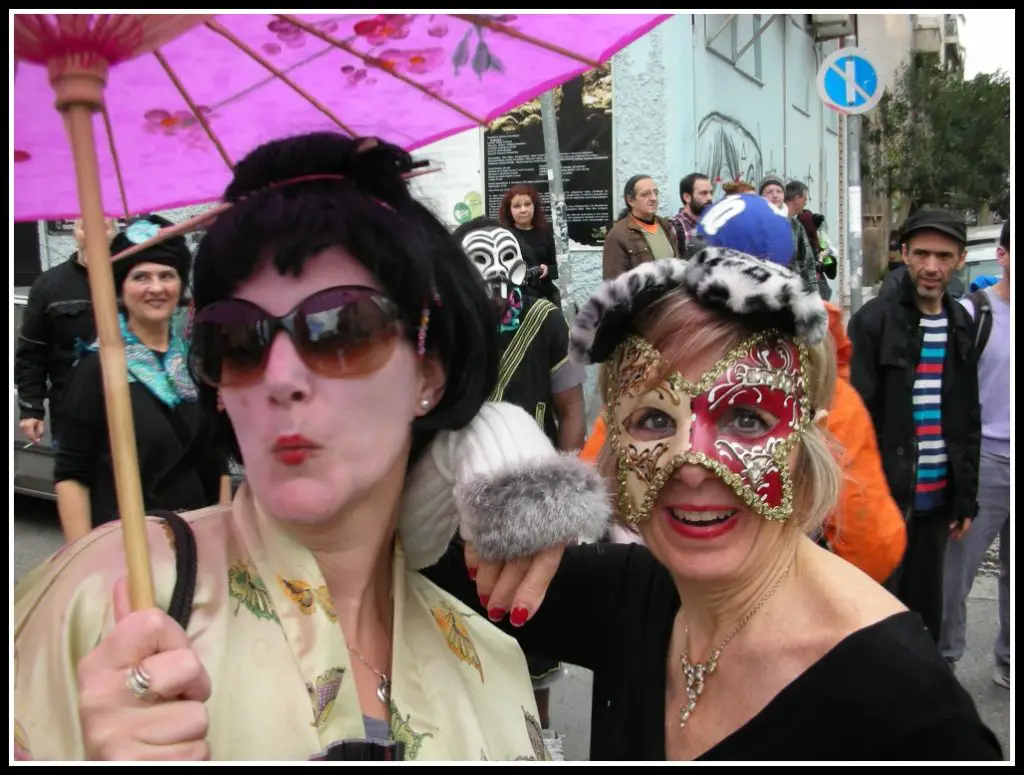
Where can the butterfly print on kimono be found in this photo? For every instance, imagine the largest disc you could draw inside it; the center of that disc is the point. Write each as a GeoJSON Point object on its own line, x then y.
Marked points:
{"type": "Point", "coordinates": [456, 634]}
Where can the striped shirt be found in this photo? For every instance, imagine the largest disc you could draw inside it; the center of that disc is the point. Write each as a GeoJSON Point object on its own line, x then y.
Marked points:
{"type": "Point", "coordinates": [931, 449]}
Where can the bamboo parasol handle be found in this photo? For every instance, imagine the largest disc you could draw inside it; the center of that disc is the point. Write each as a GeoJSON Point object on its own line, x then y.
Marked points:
{"type": "Point", "coordinates": [78, 117]}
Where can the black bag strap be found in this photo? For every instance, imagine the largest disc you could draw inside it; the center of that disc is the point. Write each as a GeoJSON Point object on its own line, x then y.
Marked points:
{"type": "Point", "coordinates": [982, 319]}
{"type": "Point", "coordinates": [187, 566]}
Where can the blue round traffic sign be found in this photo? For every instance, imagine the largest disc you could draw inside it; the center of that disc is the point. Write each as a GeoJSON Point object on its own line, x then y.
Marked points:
{"type": "Point", "coordinates": [848, 81]}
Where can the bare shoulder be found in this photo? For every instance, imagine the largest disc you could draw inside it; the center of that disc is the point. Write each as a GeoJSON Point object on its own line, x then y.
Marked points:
{"type": "Point", "coordinates": [845, 597]}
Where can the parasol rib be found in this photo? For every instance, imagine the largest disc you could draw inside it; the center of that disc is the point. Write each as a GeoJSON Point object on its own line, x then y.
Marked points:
{"type": "Point", "coordinates": [198, 114]}
{"type": "Point", "coordinates": [483, 21]}
{"type": "Point", "coordinates": [226, 33]}
{"type": "Point", "coordinates": [117, 162]}
{"type": "Point", "coordinates": [376, 64]}
{"type": "Point", "coordinates": [173, 231]}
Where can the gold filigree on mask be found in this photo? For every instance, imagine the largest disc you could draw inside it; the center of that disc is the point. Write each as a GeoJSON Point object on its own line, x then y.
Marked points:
{"type": "Point", "coordinates": [643, 468]}
{"type": "Point", "coordinates": [645, 463]}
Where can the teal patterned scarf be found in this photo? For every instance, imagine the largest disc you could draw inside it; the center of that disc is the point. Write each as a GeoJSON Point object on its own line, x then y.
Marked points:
{"type": "Point", "coordinates": [169, 381]}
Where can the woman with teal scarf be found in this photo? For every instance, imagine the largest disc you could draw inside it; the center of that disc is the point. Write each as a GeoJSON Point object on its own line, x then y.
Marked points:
{"type": "Point", "coordinates": [180, 469]}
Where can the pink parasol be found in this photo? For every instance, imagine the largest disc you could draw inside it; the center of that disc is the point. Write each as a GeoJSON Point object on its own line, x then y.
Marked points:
{"type": "Point", "coordinates": [181, 97]}
{"type": "Point", "coordinates": [192, 94]}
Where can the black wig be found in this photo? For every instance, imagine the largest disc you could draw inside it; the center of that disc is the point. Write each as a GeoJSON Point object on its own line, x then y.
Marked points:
{"type": "Point", "coordinates": [372, 215]}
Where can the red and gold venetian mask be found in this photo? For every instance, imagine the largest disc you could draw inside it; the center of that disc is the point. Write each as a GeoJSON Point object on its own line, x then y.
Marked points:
{"type": "Point", "coordinates": [741, 421]}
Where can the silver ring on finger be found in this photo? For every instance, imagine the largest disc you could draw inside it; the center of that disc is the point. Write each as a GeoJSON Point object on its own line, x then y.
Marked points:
{"type": "Point", "coordinates": [138, 682]}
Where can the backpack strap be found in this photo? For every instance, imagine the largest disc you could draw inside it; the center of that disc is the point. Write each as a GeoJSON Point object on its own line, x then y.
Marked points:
{"type": "Point", "coordinates": [982, 319]}
{"type": "Point", "coordinates": [187, 566]}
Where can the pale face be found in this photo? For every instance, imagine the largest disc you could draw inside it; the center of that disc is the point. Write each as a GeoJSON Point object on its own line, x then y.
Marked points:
{"type": "Point", "coordinates": [932, 258]}
{"type": "Point", "coordinates": [360, 427]}
{"type": "Point", "coordinates": [522, 210]}
{"type": "Point", "coordinates": [708, 454]}
{"type": "Point", "coordinates": [702, 193]}
{"type": "Point", "coordinates": [151, 292]}
{"type": "Point", "coordinates": [644, 203]}
{"type": "Point", "coordinates": [79, 229]}
{"type": "Point", "coordinates": [774, 194]}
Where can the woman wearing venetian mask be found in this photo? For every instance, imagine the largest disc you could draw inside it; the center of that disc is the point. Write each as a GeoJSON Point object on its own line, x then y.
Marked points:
{"type": "Point", "coordinates": [344, 345]}
{"type": "Point", "coordinates": [715, 372]}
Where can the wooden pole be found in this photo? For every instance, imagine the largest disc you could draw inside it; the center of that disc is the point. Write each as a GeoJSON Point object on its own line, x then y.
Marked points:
{"type": "Point", "coordinates": [79, 96]}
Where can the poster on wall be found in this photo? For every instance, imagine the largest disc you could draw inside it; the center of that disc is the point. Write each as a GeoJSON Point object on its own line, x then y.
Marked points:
{"type": "Point", "coordinates": [66, 228]}
{"type": "Point", "coordinates": [514, 154]}
{"type": "Point", "coordinates": [453, 189]}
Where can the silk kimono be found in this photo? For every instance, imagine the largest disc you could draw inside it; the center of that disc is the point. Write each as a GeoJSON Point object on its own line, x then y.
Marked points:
{"type": "Point", "coordinates": [264, 627]}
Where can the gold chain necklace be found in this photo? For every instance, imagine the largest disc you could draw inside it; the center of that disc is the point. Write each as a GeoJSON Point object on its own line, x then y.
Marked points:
{"type": "Point", "coordinates": [695, 674]}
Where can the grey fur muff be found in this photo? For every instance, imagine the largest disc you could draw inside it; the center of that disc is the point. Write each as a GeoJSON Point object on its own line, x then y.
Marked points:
{"type": "Point", "coordinates": [520, 510]}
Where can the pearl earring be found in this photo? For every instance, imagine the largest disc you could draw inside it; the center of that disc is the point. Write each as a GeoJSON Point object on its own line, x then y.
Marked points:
{"type": "Point", "coordinates": [424, 404]}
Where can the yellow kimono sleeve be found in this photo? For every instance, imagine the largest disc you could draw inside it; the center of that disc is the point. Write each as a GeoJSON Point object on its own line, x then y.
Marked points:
{"type": "Point", "coordinates": [62, 609]}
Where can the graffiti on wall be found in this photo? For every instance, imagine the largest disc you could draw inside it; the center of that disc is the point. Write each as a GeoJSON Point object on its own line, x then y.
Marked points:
{"type": "Point", "coordinates": [726, 150]}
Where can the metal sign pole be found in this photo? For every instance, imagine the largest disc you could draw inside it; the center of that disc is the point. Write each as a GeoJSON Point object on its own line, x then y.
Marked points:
{"type": "Point", "coordinates": [856, 220]}
{"type": "Point", "coordinates": [556, 192]}
{"type": "Point", "coordinates": [849, 82]}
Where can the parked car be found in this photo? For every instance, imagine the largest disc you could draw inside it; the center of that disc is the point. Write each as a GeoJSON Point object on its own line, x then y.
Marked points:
{"type": "Point", "coordinates": [982, 242]}
{"type": "Point", "coordinates": [33, 463]}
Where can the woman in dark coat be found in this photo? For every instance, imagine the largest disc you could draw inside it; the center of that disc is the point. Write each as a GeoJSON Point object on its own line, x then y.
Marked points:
{"type": "Point", "coordinates": [179, 468]}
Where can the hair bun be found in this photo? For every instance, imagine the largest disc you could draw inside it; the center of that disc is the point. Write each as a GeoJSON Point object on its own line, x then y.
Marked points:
{"type": "Point", "coordinates": [373, 166]}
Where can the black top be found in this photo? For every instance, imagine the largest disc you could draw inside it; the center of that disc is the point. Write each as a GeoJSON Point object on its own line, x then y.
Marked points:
{"type": "Point", "coordinates": [530, 355]}
{"type": "Point", "coordinates": [58, 316]}
{"type": "Point", "coordinates": [539, 248]}
{"type": "Point", "coordinates": [883, 693]}
{"type": "Point", "coordinates": [179, 466]}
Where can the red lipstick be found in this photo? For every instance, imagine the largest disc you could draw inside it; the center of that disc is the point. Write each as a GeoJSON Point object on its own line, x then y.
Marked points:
{"type": "Point", "coordinates": [702, 532]}
{"type": "Point", "coordinates": [293, 449]}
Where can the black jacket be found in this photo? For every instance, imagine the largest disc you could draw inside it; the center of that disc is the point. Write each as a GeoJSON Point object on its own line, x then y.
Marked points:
{"type": "Point", "coordinates": [886, 335]}
{"type": "Point", "coordinates": [58, 314]}
{"type": "Point", "coordinates": [179, 465]}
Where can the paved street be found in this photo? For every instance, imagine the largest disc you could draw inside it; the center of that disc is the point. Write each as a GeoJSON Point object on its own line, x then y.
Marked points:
{"type": "Point", "coordinates": [36, 535]}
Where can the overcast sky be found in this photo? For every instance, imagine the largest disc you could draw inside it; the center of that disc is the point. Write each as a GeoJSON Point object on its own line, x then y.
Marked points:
{"type": "Point", "coordinates": [987, 37]}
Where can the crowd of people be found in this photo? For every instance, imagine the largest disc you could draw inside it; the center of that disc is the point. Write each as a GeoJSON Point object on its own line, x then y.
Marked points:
{"type": "Point", "coordinates": [768, 535]}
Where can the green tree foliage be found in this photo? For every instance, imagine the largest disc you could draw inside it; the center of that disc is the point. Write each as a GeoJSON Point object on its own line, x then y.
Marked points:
{"type": "Point", "coordinates": [941, 140]}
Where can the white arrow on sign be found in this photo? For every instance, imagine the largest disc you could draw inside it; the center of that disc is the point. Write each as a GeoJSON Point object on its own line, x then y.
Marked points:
{"type": "Point", "coordinates": [850, 77]}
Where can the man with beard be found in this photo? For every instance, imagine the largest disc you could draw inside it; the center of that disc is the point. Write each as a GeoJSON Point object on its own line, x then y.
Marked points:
{"type": "Point", "coordinates": [915, 366]}
{"type": "Point", "coordinates": [695, 192]}
{"type": "Point", "coordinates": [535, 372]}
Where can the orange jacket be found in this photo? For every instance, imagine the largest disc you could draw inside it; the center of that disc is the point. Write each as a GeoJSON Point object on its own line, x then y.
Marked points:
{"type": "Point", "coordinates": [867, 528]}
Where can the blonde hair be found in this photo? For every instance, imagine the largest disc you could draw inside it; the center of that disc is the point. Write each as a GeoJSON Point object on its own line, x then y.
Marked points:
{"type": "Point", "coordinates": [684, 331]}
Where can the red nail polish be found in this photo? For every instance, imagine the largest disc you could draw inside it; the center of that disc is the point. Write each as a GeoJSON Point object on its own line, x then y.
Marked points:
{"type": "Point", "coordinates": [472, 574]}
{"type": "Point", "coordinates": [484, 599]}
{"type": "Point", "coordinates": [519, 616]}
{"type": "Point", "coordinates": [496, 614]}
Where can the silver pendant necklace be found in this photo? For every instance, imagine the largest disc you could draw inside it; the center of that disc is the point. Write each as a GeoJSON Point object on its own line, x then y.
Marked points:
{"type": "Point", "coordinates": [696, 673]}
{"type": "Point", "coordinates": [384, 687]}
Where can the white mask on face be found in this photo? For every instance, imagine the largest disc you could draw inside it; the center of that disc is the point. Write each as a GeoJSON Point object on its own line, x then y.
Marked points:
{"type": "Point", "coordinates": [498, 257]}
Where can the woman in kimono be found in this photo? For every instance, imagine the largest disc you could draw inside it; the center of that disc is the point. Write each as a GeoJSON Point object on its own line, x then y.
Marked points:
{"type": "Point", "coordinates": [344, 350]}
